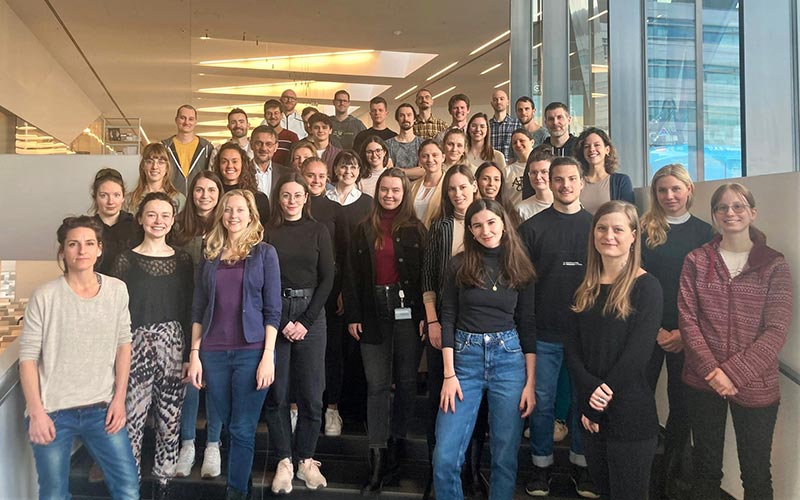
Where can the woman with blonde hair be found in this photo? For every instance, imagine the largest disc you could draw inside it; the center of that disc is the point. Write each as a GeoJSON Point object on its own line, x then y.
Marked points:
{"type": "Point", "coordinates": [154, 177]}
{"type": "Point", "coordinates": [427, 190]}
{"type": "Point", "coordinates": [235, 316]}
{"type": "Point", "coordinates": [735, 308]}
{"type": "Point", "coordinates": [617, 313]}
{"type": "Point", "coordinates": [669, 233]}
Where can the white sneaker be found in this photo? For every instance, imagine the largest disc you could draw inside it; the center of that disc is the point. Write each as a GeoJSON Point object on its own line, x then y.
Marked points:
{"type": "Point", "coordinates": [293, 418]}
{"type": "Point", "coordinates": [308, 471]}
{"type": "Point", "coordinates": [185, 460]}
{"type": "Point", "coordinates": [333, 423]}
{"type": "Point", "coordinates": [284, 472]}
{"type": "Point", "coordinates": [212, 462]}
{"type": "Point", "coordinates": [527, 433]}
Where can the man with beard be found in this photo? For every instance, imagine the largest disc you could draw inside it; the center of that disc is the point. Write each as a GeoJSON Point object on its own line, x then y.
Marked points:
{"type": "Point", "coordinates": [264, 142]}
{"type": "Point", "coordinates": [526, 114]}
{"type": "Point", "coordinates": [404, 147]}
{"type": "Point", "coordinates": [426, 126]}
{"type": "Point", "coordinates": [290, 119]}
{"type": "Point", "coordinates": [557, 120]}
{"type": "Point", "coordinates": [502, 124]}
{"type": "Point", "coordinates": [238, 126]}
{"type": "Point", "coordinates": [557, 239]}
{"type": "Point", "coordinates": [273, 111]}
{"type": "Point", "coordinates": [345, 127]}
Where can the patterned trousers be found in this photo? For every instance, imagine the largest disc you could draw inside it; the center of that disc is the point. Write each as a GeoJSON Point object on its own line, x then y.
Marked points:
{"type": "Point", "coordinates": [155, 381]}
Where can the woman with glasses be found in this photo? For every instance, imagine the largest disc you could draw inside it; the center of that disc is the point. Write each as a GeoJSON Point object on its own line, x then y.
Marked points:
{"type": "Point", "coordinates": [374, 158]}
{"type": "Point", "coordinates": [735, 308]}
{"type": "Point", "coordinates": [154, 177]}
{"type": "Point", "coordinates": [599, 160]}
{"type": "Point", "coordinates": [479, 143]}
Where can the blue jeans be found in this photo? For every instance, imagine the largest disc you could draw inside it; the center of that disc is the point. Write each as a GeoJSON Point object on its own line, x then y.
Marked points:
{"type": "Point", "coordinates": [112, 452]}
{"type": "Point", "coordinates": [491, 363]}
{"type": "Point", "coordinates": [549, 358]}
{"type": "Point", "coordinates": [191, 402]}
{"type": "Point", "coordinates": [231, 381]}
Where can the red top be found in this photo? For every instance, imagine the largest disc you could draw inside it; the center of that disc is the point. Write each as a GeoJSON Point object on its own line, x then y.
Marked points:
{"type": "Point", "coordinates": [386, 272]}
{"type": "Point", "coordinates": [737, 324]}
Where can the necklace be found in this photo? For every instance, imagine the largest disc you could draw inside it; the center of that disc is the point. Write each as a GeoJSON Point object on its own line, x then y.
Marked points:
{"type": "Point", "coordinates": [494, 281]}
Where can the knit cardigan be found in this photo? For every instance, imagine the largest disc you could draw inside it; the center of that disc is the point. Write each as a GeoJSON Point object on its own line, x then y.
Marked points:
{"type": "Point", "coordinates": [737, 324]}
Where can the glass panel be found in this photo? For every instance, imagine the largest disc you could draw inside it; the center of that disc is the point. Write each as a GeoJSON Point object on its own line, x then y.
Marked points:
{"type": "Point", "coordinates": [588, 56]}
{"type": "Point", "coordinates": [722, 114]}
{"type": "Point", "coordinates": [671, 84]}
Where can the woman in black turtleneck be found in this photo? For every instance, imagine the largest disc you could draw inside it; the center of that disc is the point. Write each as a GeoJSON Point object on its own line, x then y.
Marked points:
{"type": "Point", "coordinates": [383, 305]}
{"type": "Point", "coordinates": [233, 167]}
{"type": "Point", "coordinates": [305, 254]}
{"type": "Point", "coordinates": [120, 229]}
{"type": "Point", "coordinates": [488, 346]}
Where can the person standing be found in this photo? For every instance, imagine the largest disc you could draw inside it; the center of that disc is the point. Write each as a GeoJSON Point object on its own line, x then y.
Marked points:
{"type": "Point", "coordinates": [188, 153]}
{"type": "Point", "coordinates": [404, 147]}
{"type": "Point", "coordinates": [538, 167]}
{"type": "Point", "coordinates": [235, 172]}
{"type": "Point", "coordinates": [557, 120]}
{"type": "Point", "coordinates": [264, 143]}
{"type": "Point", "coordinates": [734, 309]}
{"type": "Point", "coordinates": [235, 316]}
{"type": "Point", "coordinates": [80, 319]}
{"type": "Point", "coordinates": [120, 230]}
{"type": "Point", "coordinates": [521, 147]}
{"type": "Point", "coordinates": [321, 126]}
{"type": "Point", "coordinates": [599, 160]}
{"type": "Point", "coordinates": [375, 161]}
{"type": "Point", "coordinates": [670, 232]}
{"type": "Point", "coordinates": [154, 177]}
{"type": "Point", "coordinates": [556, 240]}
{"type": "Point", "coordinates": [427, 190]}
{"type": "Point", "coordinates": [343, 126]}
{"type": "Point", "coordinates": [526, 114]}
{"type": "Point", "coordinates": [502, 124]}
{"type": "Point", "coordinates": [378, 111]}
{"type": "Point", "coordinates": [458, 107]}
{"type": "Point", "coordinates": [426, 126]}
{"type": "Point", "coordinates": [273, 117]}
{"type": "Point", "coordinates": [159, 279]}
{"type": "Point", "coordinates": [305, 254]}
{"type": "Point", "coordinates": [617, 314]}
{"type": "Point", "coordinates": [238, 125]}
{"type": "Point", "coordinates": [479, 144]}
{"type": "Point", "coordinates": [488, 347]}
{"type": "Point", "coordinates": [291, 120]}
{"type": "Point", "coordinates": [383, 305]}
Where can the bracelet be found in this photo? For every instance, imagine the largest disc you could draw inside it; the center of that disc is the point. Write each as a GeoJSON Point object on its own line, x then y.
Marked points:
{"type": "Point", "coordinates": [451, 376]}
{"type": "Point", "coordinates": [190, 350]}
{"type": "Point", "coordinates": [433, 322]}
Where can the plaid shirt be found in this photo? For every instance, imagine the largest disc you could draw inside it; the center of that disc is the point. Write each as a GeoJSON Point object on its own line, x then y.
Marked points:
{"type": "Point", "coordinates": [501, 135]}
{"type": "Point", "coordinates": [427, 129]}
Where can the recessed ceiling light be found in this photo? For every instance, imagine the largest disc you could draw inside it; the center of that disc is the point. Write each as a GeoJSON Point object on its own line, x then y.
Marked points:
{"type": "Point", "coordinates": [501, 84]}
{"type": "Point", "coordinates": [441, 71]}
{"type": "Point", "coordinates": [297, 56]}
{"type": "Point", "coordinates": [498, 37]}
{"type": "Point", "coordinates": [397, 32]}
{"type": "Point", "coordinates": [406, 92]}
{"type": "Point", "coordinates": [205, 37]}
{"type": "Point", "coordinates": [440, 94]}
{"type": "Point", "coordinates": [491, 68]}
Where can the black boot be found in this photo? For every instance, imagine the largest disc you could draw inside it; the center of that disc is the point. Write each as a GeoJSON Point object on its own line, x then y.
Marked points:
{"type": "Point", "coordinates": [427, 494]}
{"type": "Point", "coordinates": [377, 471]}
{"type": "Point", "coordinates": [162, 490]}
{"type": "Point", "coordinates": [395, 452]}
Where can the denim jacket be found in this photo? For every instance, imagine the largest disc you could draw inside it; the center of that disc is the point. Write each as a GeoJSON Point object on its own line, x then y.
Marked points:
{"type": "Point", "coordinates": [261, 299]}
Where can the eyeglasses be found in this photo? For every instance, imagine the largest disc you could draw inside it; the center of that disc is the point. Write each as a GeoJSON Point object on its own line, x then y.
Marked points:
{"type": "Point", "coordinates": [288, 98]}
{"type": "Point", "coordinates": [155, 161]}
{"type": "Point", "coordinates": [738, 208]}
{"type": "Point", "coordinates": [374, 152]}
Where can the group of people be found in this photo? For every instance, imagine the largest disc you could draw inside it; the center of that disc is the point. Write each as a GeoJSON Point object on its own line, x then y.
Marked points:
{"type": "Point", "coordinates": [498, 251]}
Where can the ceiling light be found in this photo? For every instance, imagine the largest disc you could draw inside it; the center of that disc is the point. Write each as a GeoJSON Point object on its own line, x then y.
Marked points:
{"type": "Point", "coordinates": [498, 37]}
{"type": "Point", "coordinates": [277, 58]}
{"type": "Point", "coordinates": [205, 37]}
{"type": "Point", "coordinates": [598, 15]}
{"type": "Point", "coordinates": [491, 68]}
{"type": "Point", "coordinates": [440, 94]}
{"type": "Point", "coordinates": [537, 46]}
{"type": "Point", "coordinates": [406, 92]}
{"type": "Point", "coordinates": [599, 68]}
{"type": "Point", "coordinates": [397, 32]}
{"type": "Point", "coordinates": [502, 84]}
{"type": "Point", "coordinates": [441, 71]}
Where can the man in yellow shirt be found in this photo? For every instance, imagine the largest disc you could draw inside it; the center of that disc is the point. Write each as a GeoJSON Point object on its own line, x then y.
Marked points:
{"type": "Point", "coordinates": [188, 153]}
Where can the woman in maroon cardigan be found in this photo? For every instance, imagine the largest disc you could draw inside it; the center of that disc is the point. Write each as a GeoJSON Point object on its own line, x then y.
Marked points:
{"type": "Point", "coordinates": [735, 306]}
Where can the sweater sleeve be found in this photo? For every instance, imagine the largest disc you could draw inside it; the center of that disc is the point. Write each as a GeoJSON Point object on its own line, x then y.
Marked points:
{"type": "Point", "coordinates": [30, 342]}
{"type": "Point", "coordinates": [525, 318]}
{"type": "Point", "coordinates": [624, 189]}
{"type": "Point", "coordinates": [698, 355]}
{"type": "Point", "coordinates": [124, 334]}
{"type": "Point", "coordinates": [200, 293]}
{"type": "Point", "coordinates": [186, 277]}
{"type": "Point", "coordinates": [430, 263]}
{"type": "Point", "coordinates": [352, 280]}
{"type": "Point", "coordinates": [585, 382]}
{"type": "Point", "coordinates": [271, 291]}
{"type": "Point", "coordinates": [447, 319]}
{"type": "Point", "coordinates": [762, 355]}
{"type": "Point", "coordinates": [642, 332]}
{"type": "Point", "coordinates": [325, 276]}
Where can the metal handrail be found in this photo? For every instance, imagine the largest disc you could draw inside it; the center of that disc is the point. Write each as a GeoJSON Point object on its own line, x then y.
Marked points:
{"type": "Point", "coordinates": [789, 372]}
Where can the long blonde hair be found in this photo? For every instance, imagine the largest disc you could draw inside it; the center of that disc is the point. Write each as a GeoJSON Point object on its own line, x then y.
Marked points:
{"type": "Point", "coordinates": [619, 298]}
{"type": "Point", "coordinates": [217, 238]}
{"type": "Point", "coordinates": [654, 222]}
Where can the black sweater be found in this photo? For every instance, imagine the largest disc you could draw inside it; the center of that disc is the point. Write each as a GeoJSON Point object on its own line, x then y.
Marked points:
{"type": "Point", "coordinates": [665, 262]}
{"type": "Point", "coordinates": [484, 310]}
{"type": "Point", "coordinates": [356, 212]}
{"type": "Point", "coordinates": [305, 254]}
{"type": "Point", "coordinates": [160, 289]}
{"type": "Point", "coordinates": [604, 349]}
{"type": "Point", "coordinates": [330, 214]}
{"type": "Point", "coordinates": [556, 244]}
{"type": "Point", "coordinates": [121, 236]}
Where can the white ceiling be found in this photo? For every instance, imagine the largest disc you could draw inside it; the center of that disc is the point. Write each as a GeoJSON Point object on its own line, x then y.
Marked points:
{"type": "Point", "coordinates": [140, 58]}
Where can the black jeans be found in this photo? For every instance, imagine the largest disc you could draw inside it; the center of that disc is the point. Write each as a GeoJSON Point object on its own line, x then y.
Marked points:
{"type": "Point", "coordinates": [396, 359]}
{"type": "Point", "coordinates": [334, 354]}
{"type": "Point", "coordinates": [754, 430]}
{"type": "Point", "coordinates": [435, 380]}
{"type": "Point", "coordinates": [677, 432]}
{"type": "Point", "coordinates": [620, 469]}
{"type": "Point", "coordinates": [303, 364]}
